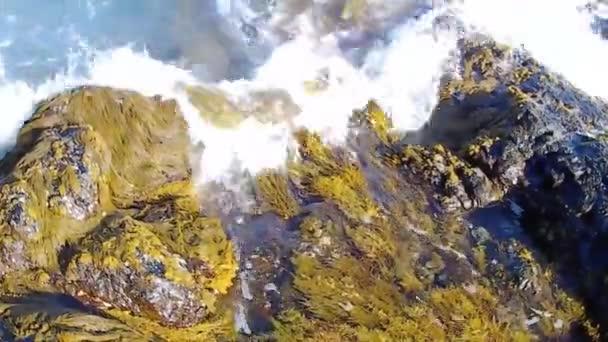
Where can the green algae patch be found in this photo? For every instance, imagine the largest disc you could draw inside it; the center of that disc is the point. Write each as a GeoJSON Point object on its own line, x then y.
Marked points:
{"type": "Point", "coordinates": [345, 301]}
{"type": "Point", "coordinates": [341, 190]}
{"type": "Point", "coordinates": [329, 174]}
{"type": "Point", "coordinates": [312, 149]}
{"type": "Point", "coordinates": [367, 282]}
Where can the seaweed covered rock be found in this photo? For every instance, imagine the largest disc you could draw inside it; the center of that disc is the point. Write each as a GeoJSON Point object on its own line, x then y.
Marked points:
{"type": "Point", "coordinates": [398, 272]}
{"type": "Point", "coordinates": [380, 258]}
{"type": "Point", "coordinates": [145, 139]}
{"type": "Point", "coordinates": [457, 183]}
{"type": "Point", "coordinates": [541, 141]}
{"type": "Point", "coordinates": [53, 192]}
{"type": "Point", "coordinates": [56, 317]}
{"type": "Point", "coordinates": [97, 200]}
{"type": "Point", "coordinates": [125, 264]}
{"type": "Point", "coordinates": [82, 154]}
{"type": "Point", "coordinates": [504, 107]}
{"type": "Point", "coordinates": [224, 110]}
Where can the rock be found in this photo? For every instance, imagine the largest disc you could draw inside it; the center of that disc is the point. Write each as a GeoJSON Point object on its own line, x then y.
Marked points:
{"type": "Point", "coordinates": [130, 265]}
{"type": "Point", "coordinates": [82, 154]}
{"type": "Point", "coordinates": [436, 240]}
{"type": "Point", "coordinates": [497, 117]}
{"type": "Point", "coordinates": [56, 317]}
{"type": "Point", "coordinates": [541, 141]}
{"type": "Point", "coordinates": [97, 200]}
{"type": "Point", "coordinates": [145, 140]}
{"type": "Point", "coordinates": [224, 111]}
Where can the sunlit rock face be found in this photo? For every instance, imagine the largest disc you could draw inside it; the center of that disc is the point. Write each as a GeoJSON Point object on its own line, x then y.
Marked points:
{"type": "Point", "coordinates": [468, 228]}
{"type": "Point", "coordinates": [488, 223]}
{"type": "Point", "coordinates": [482, 214]}
{"type": "Point", "coordinates": [98, 202]}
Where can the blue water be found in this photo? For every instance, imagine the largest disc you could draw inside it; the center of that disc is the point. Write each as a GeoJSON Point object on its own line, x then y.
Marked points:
{"type": "Point", "coordinates": [41, 37]}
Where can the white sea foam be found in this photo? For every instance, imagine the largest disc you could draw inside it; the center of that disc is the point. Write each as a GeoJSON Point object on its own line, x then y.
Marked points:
{"type": "Point", "coordinates": [406, 77]}
{"type": "Point", "coordinates": [555, 32]}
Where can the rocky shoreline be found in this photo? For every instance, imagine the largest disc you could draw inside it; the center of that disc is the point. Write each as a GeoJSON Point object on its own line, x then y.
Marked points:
{"type": "Point", "coordinates": [487, 224]}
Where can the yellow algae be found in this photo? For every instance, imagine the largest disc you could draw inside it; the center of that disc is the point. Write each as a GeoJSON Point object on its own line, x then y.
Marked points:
{"type": "Point", "coordinates": [44, 317]}
{"type": "Point", "coordinates": [215, 328]}
{"type": "Point", "coordinates": [374, 118]}
{"type": "Point", "coordinates": [130, 130]}
{"type": "Point", "coordinates": [215, 107]}
{"type": "Point", "coordinates": [273, 190]}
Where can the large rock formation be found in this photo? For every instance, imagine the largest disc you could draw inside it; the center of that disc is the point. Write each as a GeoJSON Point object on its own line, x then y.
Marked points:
{"type": "Point", "coordinates": [487, 224]}
{"type": "Point", "coordinates": [97, 196]}
{"type": "Point", "coordinates": [541, 141]}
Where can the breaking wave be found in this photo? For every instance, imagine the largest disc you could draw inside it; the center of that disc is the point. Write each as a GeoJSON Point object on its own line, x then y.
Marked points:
{"type": "Point", "coordinates": [139, 45]}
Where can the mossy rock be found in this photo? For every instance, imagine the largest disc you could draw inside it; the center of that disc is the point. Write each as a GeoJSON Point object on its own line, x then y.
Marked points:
{"type": "Point", "coordinates": [381, 257]}
{"type": "Point", "coordinates": [84, 153]}
{"type": "Point", "coordinates": [54, 193]}
{"type": "Point", "coordinates": [125, 264]}
{"type": "Point", "coordinates": [144, 141]}
{"type": "Point", "coordinates": [97, 200]}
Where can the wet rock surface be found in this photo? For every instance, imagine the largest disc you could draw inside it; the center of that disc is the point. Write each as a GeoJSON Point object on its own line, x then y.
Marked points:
{"type": "Point", "coordinates": [488, 223]}
{"type": "Point", "coordinates": [98, 205]}
{"type": "Point", "coordinates": [217, 107]}
{"type": "Point", "coordinates": [542, 141]}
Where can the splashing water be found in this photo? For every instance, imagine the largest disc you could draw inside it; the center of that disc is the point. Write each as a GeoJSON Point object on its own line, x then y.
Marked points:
{"type": "Point", "coordinates": [109, 44]}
